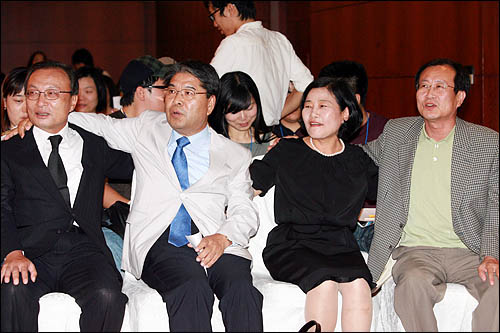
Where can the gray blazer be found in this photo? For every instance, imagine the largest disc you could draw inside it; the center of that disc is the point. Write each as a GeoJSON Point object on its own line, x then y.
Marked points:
{"type": "Point", "coordinates": [474, 187]}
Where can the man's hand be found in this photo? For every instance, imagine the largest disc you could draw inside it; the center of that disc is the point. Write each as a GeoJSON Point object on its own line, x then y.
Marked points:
{"type": "Point", "coordinates": [210, 249]}
{"type": "Point", "coordinates": [21, 129]}
{"type": "Point", "coordinates": [15, 263]}
{"type": "Point", "coordinates": [488, 268]}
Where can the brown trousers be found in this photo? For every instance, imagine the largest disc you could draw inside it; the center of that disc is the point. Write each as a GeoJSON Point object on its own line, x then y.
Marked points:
{"type": "Point", "coordinates": [421, 274]}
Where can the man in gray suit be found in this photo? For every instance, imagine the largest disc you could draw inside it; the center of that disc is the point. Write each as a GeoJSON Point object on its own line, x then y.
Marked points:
{"type": "Point", "coordinates": [437, 207]}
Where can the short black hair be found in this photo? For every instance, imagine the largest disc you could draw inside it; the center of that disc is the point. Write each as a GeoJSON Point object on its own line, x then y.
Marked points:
{"type": "Point", "coordinates": [73, 81]}
{"type": "Point", "coordinates": [350, 70]}
{"type": "Point", "coordinates": [96, 75]}
{"type": "Point", "coordinates": [128, 97]}
{"type": "Point", "coordinates": [236, 92]}
{"type": "Point", "coordinates": [461, 80]}
{"type": "Point", "coordinates": [82, 56]}
{"type": "Point", "coordinates": [202, 71]}
{"type": "Point", "coordinates": [344, 96]}
{"type": "Point", "coordinates": [246, 9]}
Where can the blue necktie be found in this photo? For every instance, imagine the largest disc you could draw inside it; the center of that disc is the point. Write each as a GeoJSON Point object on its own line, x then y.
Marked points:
{"type": "Point", "coordinates": [181, 225]}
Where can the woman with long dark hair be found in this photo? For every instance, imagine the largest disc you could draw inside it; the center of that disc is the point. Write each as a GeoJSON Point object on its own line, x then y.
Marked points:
{"type": "Point", "coordinates": [238, 113]}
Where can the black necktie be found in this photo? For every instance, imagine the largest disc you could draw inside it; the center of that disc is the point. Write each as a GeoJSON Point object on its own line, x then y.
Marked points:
{"type": "Point", "coordinates": [56, 168]}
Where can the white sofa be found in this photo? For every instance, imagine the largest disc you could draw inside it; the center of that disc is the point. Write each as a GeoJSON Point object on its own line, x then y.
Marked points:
{"type": "Point", "coordinates": [283, 308]}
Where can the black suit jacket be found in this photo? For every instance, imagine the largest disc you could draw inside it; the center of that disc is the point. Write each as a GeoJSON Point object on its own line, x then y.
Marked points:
{"type": "Point", "coordinates": [33, 208]}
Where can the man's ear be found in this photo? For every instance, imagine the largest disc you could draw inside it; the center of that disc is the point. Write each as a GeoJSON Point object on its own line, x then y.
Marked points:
{"type": "Point", "coordinates": [140, 93]}
{"type": "Point", "coordinates": [459, 98]}
{"type": "Point", "coordinates": [231, 11]}
{"type": "Point", "coordinates": [211, 104]}
{"type": "Point", "coordinates": [358, 98]}
{"type": "Point", "coordinates": [74, 100]}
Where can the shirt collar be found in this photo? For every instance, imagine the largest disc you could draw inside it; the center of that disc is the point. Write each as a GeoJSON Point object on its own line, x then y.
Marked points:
{"type": "Point", "coordinates": [250, 25]}
{"type": "Point", "coordinates": [43, 136]}
{"type": "Point", "coordinates": [200, 138]}
{"type": "Point", "coordinates": [448, 139]}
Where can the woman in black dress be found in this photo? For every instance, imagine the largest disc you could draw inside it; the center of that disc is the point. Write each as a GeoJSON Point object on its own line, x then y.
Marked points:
{"type": "Point", "coordinates": [321, 184]}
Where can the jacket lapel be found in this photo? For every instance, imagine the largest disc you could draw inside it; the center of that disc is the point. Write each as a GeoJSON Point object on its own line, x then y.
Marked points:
{"type": "Point", "coordinates": [406, 156]}
{"type": "Point", "coordinates": [30, 157]}
{"type": "Point", "coordinates": [87, 162]}
{"type": "Point", "coordinates": [460, 166]}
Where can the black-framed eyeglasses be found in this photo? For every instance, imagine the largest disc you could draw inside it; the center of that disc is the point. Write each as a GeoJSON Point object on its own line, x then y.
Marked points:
{"type": "Point", "coordinates": [51, 94]}
{"type": "Point", "coordinates": [211, 15]}
{"type": "Point", "coordinates": [157, 87]}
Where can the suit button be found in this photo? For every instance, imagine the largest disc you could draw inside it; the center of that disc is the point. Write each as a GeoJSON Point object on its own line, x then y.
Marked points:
{"type": "Point", "coordinates": [401, 225]}
{"type": "Point", "coordinates": [390, 247]}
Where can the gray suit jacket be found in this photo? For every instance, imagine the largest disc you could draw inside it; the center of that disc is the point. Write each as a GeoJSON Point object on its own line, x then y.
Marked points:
{"type": "Point", "coordinates": [474, 187]}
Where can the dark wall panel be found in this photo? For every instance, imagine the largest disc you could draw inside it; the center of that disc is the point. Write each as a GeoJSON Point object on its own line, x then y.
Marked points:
{"type": "Point", "coordinates": [393, 39]}
{"type": "Point", "coordinates": [114, 31]}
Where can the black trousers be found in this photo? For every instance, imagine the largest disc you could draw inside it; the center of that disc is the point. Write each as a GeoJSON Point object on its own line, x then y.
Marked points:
{"type": "Point", "coordinates": [75, 266]}
{"type": "Point", "coordinates": [189, 292]}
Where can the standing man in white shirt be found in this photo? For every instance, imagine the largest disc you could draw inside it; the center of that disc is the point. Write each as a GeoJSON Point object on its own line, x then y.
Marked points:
{"type": "Point", "coordinates": [267, 56]}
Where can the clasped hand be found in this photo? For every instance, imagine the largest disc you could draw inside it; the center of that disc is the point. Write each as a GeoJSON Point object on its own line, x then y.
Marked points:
{"type": "Point", "coordinates": [210, 249]}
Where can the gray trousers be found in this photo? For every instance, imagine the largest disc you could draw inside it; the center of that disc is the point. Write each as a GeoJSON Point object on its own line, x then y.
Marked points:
{"type": "Point", "coordinates": [421, 274]}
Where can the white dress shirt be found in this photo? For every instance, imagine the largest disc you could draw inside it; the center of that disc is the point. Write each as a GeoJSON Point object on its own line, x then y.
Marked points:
{"type": "Point", "coordinates": [70, 150]}
{"type": "Point", "coordinates": [270, 60]}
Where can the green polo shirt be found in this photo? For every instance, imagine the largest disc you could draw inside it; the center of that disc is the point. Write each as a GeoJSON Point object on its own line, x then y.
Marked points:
{"type": "Point", "coordinates": [429, 218]}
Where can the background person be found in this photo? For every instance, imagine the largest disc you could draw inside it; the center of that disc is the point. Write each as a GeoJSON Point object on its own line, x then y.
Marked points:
{"type": "Point", "coordinates": [36, 57]}
{"type": "Point", "coordinates": [291, 124]}
{"type": "Point", "coordinates": [238, 113]}
{"type": "Point", "coordinates": [267, 56]}
{"type": "Point", "coordinates": [92, 93]}
{"type": "Point", "coordinates": [13, 99]}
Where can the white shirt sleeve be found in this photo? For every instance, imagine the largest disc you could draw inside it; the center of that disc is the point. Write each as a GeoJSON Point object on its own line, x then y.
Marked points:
{"type": "Point", "coordinates": [120, 134]}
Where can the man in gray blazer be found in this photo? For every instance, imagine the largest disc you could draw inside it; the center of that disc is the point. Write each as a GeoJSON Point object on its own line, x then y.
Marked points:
{"type": "Point", "coordinates": [437, 206]}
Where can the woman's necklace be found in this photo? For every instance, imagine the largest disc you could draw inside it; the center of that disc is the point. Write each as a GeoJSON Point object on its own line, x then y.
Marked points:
{"type": "Point", "coordinates": [327, 155]}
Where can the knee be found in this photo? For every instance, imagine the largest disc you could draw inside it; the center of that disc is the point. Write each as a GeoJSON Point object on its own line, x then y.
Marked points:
{"type": "Point", "coordinates": [109, 297]}
{"type": "Point", "coordinates": [11, 291]}
{"type": "Point", "coordinates": [241, 290]}
{"type": "Point", "coordinates": [197, 287]}
{"type": "Point", "coordinates": [414, 276]}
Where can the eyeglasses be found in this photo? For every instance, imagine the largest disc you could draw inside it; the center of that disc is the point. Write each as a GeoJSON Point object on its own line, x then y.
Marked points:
{"type": "Point", "coordinates": [211, 15]}
{"type": "Point", "coordinates": [439, 87]}
{"type": "Point", "coordinates": [187, 94]}
{"type": "Point", "coordinates": [157, 87]}
{"type": "Point", "coordinates": [51, 94]}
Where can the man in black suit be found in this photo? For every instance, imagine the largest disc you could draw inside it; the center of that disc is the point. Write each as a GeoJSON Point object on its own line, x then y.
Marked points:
{"type": "Point", "coordinates": [51, 202]}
